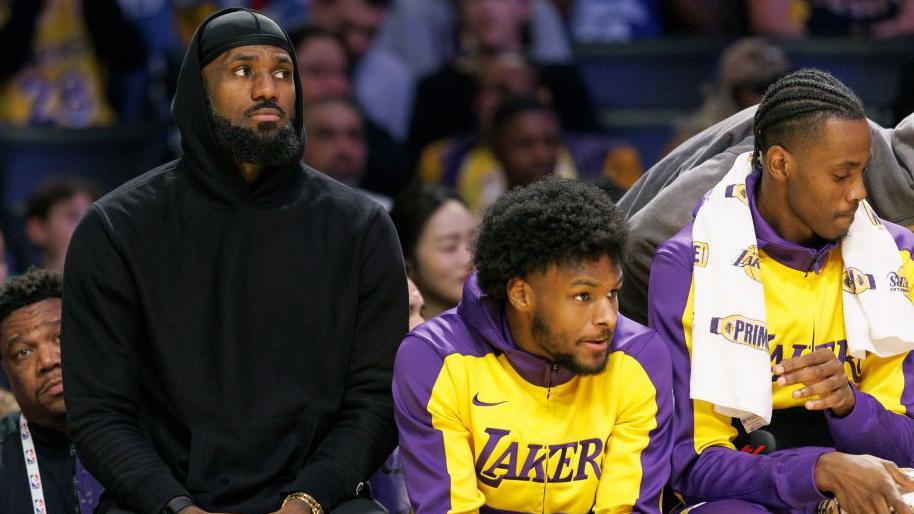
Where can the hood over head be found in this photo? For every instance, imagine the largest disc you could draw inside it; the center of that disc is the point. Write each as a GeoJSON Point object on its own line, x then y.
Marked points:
{"type": "Point", "coordinates": [210, 167]}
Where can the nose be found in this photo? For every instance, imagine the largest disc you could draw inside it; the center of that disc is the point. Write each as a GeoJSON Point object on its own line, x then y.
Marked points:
{"type": "Point", "coordinates": [264, 87]}
{"type": "Point", "coordinates": [48, 357]}
{"type": "Point", "coordinates": [466, 258]}
{"type": "Point", "coordinates": [606, 313]}
{"type": "Point", "coordinates": [857, 191]}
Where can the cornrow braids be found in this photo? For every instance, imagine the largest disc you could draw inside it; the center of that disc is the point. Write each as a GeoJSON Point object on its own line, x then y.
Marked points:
{"type": "Point", "coordinates": [797, 104]}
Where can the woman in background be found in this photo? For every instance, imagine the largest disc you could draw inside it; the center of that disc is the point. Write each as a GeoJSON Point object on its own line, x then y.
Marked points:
{"type": "Point", "coordinates": [436, 231]}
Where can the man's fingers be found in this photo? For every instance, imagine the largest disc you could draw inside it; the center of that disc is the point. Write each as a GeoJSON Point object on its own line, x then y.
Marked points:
{"type": "Point", "coordinates": [822, 404]}
{"type": "Point", "coordinates": [826, 387]}
{"type": "Point", "coordinates": [804, 361]}
{"type": "Point", "coordinates": [901, 507]}
{"type": "Point", "coordinates": [905, 482]}
{"type": "Point", "coordinates": [811, 374]}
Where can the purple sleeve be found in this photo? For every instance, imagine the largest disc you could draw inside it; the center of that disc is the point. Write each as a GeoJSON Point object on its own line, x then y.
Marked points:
{"type": "Point", "coordinates": [421, 445]}
{"type": "Point", "coordinates": [873, 430]}
{"type": "Point", "coordinates": [781, 480]}
{"type": "Point", "coordinates": [655, 459]}
{"type": "Point", "coordinates": [870, 428]}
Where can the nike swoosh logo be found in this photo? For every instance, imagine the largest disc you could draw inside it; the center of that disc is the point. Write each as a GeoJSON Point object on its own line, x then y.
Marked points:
{"type": "Point", "coordinates": [479, 403]}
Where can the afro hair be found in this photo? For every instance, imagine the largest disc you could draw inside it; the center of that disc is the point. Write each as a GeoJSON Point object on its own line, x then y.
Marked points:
{"type": "Point", "coordinates": [550, 222]}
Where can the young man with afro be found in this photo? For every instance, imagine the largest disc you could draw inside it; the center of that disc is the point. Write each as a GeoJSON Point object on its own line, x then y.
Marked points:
{"type": "Point", "coordinates": [534, 394]}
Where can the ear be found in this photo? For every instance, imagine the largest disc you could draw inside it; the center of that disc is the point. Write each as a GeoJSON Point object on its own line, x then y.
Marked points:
{"type": "Point", "coordinates": [520, 295]}
{"type": "Point", "coordinates": [34, 229]}
{"type": "Point", "coordinates": [779, 163]}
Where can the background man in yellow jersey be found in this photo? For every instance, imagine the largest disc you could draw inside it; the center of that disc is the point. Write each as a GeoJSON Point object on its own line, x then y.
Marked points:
{"type": "Point", "coordinates": [841, 425]}
{"type": "Point", "coordinates": [534, 394]}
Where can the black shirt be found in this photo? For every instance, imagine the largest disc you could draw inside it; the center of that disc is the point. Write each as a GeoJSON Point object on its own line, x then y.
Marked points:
{"type": "Point", "coordinates": [228, 341]}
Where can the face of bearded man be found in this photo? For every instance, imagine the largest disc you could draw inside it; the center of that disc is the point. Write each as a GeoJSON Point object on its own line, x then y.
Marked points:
{"type": "Point", "coordinates": [251, 96]}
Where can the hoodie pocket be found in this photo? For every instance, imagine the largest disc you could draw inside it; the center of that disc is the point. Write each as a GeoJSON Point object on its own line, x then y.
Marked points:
{"type": "Point", "coordinates": [242, 458]}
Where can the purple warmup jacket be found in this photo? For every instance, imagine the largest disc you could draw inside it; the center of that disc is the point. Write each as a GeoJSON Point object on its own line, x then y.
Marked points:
{"type": "Point", "coordinates": [485, 426]}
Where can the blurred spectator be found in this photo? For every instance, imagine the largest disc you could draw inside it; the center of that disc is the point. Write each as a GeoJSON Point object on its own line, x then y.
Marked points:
{"type": "Point", "coordinates": [288, 13]}
{"type": "Point", "coordinates": [704, 18]}
{"type": "Point", "coordinates": [55, 207]}
{"type": "Point", "coordinates": [382, 81]}
{"type": "Point", "coordinates": [745, 71]}
{"type": "Point", "coordinates": [603, 21]}
{"type": "Point", "coordinates": [422, 33]}
{"type": "Point", "coordinates": [322, 63]}
{"type": "Point", "coordinates": [524, 144]}
{"type": "Point", "coordinates": [445, 100]}
{"type": "Point", "coordinates": [854, 18]}
{"type": "Point", "coordinates": [323, 66]}
{"type": "Point", "coordinates": [436, 231]}
{"type": "Point", "coordinates": [336, 143]}
{"type": "Point", "coordinates": [66, 63]}
{"type": "Point", "coordinates": [157, 22]}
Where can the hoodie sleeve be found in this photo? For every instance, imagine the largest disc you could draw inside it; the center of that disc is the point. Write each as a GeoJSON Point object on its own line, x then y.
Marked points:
{"type": "Point", "coordinates": [102, 330]}
{"type": "Point", "coordinates": [706, 465]}
{"type": "Point", "coordinates": [365, 432]}
{"type": "Point", "coordinates": [881, 423]}
{"type": "Point", "coordinates": [438, 461]}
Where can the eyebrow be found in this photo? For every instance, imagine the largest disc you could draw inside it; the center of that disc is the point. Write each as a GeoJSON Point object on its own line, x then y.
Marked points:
{"type": "Point", "coordinates": [584, 282]}
{"type": "Point", "coordinates": [447, 237]}
{"type": "Point", "coordinates": [591, 283]}
{"type": "Point", "coordinates": [53, 322]}
{"type": "Point", "coordinates": [849, 164]}
{"type": "Point", "coordinates": [283, 58]}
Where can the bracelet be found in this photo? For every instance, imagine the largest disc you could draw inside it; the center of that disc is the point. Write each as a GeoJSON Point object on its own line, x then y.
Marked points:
{"type": "Point", "coordinates": [307, 500]}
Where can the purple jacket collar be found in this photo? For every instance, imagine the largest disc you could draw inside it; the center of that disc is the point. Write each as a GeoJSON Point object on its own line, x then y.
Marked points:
{"type": "Point", "coordinates": [486, 317]}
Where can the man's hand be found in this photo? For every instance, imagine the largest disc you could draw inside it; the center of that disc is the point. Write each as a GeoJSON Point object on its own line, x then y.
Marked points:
{"type": "Point", "coordinates": [863, 484]}
{"type": "Point", "coordinates": [823, 375]}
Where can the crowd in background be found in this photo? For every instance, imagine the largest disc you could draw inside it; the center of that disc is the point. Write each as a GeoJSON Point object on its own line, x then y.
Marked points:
{"type": "Point", "coordinates": [434, 108]}
{"type": "Point", "coordinates": [477, 95]}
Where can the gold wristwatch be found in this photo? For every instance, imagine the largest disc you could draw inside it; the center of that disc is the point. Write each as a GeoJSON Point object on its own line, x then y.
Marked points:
{"type": "Point", "coordinates": [307, 500]}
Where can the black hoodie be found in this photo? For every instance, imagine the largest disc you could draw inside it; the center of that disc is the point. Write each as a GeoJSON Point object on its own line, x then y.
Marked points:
{"type": "Point", "coordinates": [231, 341]}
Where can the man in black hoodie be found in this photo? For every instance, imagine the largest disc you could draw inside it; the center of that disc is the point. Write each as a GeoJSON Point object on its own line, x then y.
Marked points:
{"type": "Point", "coordinates": [231, 317]}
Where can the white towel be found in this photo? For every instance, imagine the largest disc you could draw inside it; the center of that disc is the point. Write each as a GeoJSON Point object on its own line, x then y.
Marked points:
{"type": "Point", "coordinates": [731, 366]}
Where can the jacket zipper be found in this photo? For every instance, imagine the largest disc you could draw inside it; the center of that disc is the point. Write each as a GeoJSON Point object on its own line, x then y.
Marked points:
{"type": "Point", "coordinates": [552, 372]}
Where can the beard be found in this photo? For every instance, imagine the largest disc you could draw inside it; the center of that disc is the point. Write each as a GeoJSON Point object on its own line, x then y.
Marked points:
{"type": "Point", "coordinates": [266, 146]}
{"type": "Point", "coordinates": [551, 343]}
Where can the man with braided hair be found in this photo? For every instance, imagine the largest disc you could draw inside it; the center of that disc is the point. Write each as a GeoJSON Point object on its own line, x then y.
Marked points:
{"type": "Point", "coordinates": [838, 417]}
{"type": "Point", "coordinates": [534, 394]}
